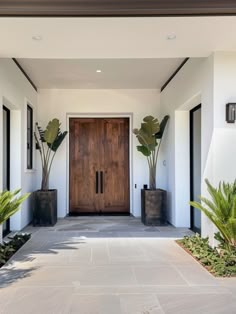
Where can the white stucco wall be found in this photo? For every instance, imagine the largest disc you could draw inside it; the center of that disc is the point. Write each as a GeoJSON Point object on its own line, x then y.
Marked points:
{"type": "Point", "coordinates": [210, 81]}
{"type": "Point", "coordinates": [61, 103]}
{"type": "Point", "coordinates": [224, 133]}
{"type": "Point", "coordinates": [15, 92]}
{"type": "Point", "coordinates": [190, 87]}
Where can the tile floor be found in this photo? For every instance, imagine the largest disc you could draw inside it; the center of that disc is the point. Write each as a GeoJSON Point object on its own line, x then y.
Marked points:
{"type": "Point", "coordinates": [109, 265]}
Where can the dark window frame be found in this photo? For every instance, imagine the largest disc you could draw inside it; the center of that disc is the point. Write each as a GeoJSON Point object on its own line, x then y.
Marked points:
{"type": "Point", "coordinates": [29, 138]}
{"type": "Point", "coordinates": [7, 230]}
{"type": "Point", "coordinates": [191, 124]}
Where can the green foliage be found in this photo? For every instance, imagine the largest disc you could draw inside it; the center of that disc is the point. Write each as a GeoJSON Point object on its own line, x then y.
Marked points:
{"type": "Point", "coordinates": [221, 209]}
{"type": "Point", "coordinates": [48, 142]}
{"type": "Point", "coordinates": [149, 136]}
{"type": "Point", "coordinates": [51, 131]}
{"type": "Point", "coordinates": [220, 261]}
{"type": "Point", "coordinates": [146, 134]}
{"type": "Point", "coordinates": [9, 204]}
{"type": "Point", "coordinates": [162, 127]}
{"type": "Point", "coordinates": [9, 248]}
{"type": "Point", "coordinates": [6, 251]}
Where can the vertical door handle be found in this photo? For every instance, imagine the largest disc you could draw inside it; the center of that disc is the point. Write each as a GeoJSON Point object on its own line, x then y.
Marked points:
{"type": "Point", "coordinates": [96, 180]}
{"type": "Point", "coordinates": [101, 182]}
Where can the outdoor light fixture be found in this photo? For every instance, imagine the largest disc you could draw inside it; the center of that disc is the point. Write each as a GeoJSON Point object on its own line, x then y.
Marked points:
{"type": "Point", "coordinates": [230, 112]}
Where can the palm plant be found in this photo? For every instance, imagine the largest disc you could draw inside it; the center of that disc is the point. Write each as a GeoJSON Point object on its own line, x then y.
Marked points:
{"type": "Point", "coordinates": [221, 210]}
{"type": "Point", "coordinates": [9, 205]}
{"type": "Point", "coordinates": [150, 136]}
{"type": "Point", "coordinates": [48, 142]}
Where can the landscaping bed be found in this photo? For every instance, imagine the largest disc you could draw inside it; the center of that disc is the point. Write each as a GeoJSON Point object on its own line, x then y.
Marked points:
{"type": "Point", "coordinates": [9, 248]}
{"type": "Point", "coordinates": [220, 261]}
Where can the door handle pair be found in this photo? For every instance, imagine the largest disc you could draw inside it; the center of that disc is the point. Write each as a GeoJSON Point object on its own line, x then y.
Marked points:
{"type": "Point", "coordinates": [99, 174]}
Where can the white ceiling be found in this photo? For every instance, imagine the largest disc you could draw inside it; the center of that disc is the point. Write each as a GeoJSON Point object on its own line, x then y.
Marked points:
{"type": "Point", "coordinates": [131, 52]}
{"type": "Point", "coordinates": [95, 38]}
{"type": "Point", "coordinates": [115, 73]}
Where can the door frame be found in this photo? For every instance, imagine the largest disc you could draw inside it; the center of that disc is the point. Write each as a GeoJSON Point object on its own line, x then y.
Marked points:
{"type": "Point", "coordinates": [8, 112]}
{"type": "Point", "coordinates": [100, 115]}
{"type": "Point", "coordinates": [191, 134]}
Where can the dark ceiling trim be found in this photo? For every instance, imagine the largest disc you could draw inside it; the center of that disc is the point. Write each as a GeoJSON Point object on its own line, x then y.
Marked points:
{"type": "Point", "coordinates": [25, 74]}
{"type": "Point", "coordinates": [112, 8]}
{"type": "Point", "coordinates": [174, 74]}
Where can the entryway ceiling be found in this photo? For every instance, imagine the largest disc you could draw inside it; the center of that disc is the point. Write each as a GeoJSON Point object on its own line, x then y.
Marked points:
{"type": "Point", "coordinates": [138, 52]}
{"type": "Point", "coordinates": [115, 73]}
{"type": "Point", "coordinates": [95, 38]}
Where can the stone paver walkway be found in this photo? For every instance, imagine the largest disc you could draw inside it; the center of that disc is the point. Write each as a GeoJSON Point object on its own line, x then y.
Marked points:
{"type": "Point", "coordinates": [110, 265]}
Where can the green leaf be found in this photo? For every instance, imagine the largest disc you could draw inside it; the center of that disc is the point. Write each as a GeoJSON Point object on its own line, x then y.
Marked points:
{"type": "Point", "coordinates": [52, 131]}
{"type": "Point", "coordinates": [10, 204]}
{"type": "Point", "coordinates": [163, 124]}
{"type": "Point", "coordinates": [144, 150]}
{"type": "Point", "coordinates": [58, 141]}
{"type": "Point", "coordinates": [135, 131]}
{"type": "Point", "coordinates": [40, 132]}
{"type": "Point", "coordinates": [150, 125]}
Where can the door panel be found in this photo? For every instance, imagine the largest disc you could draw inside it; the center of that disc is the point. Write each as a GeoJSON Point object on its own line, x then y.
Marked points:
{"type": "Point", "coordinates": [116, 165]}
{"type": "Point", "coordinates": [99, 165]}
{"type": "Point", "coordinates": [84, 162]}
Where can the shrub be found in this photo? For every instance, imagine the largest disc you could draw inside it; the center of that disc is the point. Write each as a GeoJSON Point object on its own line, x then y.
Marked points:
{"type": "Point", "coordinates": [7, 249]}
{"type": "Point", "coordinates": [221, 210]}
{"type": "Point", "coordinates": [220, 261]}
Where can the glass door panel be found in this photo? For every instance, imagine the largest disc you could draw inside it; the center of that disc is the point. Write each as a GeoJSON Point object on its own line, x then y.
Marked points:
{"type": "Point", "coordinates": [195, 165]}
{"type": "Point", "coordinates": [6, 159]}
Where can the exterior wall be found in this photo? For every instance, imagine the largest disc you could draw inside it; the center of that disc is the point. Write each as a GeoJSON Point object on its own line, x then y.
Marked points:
{"type": "Point", "coordinates": [190, 87]}
{"type": "Point", "coordinates": [62, 103]}
{"type": "Point", "coordinates": [210, 81]}
{"type": "Point", "coordinates": [15, 92]}
{"type": "Point", "coordinates": [225, 133]}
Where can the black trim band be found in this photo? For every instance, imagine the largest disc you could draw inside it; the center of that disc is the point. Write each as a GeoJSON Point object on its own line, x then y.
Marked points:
{"type": "Point", "coordinates": [174, 74]}
{"type": "Point", "coordinates": [110, 8]}
{"type": "Point", "coordinates": [25, 74]}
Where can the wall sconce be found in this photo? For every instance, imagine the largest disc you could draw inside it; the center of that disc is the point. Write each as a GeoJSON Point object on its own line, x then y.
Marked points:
{"type": "Point", "coordinates": [231, 112]}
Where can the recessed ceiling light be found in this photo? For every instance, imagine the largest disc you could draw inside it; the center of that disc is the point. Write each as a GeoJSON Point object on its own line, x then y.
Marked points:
{"type": "Point", "coordinates": [98, 71]}
{"type": "Point", "coordinates": [37, 37]}
{"type": "Point", "coordinates": [171, 36]}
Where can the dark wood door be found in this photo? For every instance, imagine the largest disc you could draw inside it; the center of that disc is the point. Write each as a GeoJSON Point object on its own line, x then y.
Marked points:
{"type": "Point", "coordinates": [99, 165]}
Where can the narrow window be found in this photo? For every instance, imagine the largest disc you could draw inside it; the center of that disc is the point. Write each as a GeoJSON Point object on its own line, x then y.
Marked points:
{"type": "Point", "coordinates": [29, 137]}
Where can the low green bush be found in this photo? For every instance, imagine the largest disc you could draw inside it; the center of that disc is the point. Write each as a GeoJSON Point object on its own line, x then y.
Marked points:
{"type": "Point", "coordinates": [7, 249]}
{"type": "Point", "coordinates": [220, 261]}
{"type": "Point", "coordinates": [221, 210]}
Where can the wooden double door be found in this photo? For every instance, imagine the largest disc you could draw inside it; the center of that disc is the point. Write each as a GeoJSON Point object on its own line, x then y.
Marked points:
{"type": "Point", "coordinates": [99, 165]}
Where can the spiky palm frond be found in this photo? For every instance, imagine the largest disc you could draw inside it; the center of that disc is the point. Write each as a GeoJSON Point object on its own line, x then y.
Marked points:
{"type": "Point", "coordinates": [221, 209]}
{"type": "Point", "coordinates": [40, 132]}
{"type": "Point", "coordinates": [10, 204]}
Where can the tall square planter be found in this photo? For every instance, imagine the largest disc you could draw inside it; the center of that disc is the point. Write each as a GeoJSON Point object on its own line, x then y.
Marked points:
{"type": "Point", "coordinates": [45, 208]}
{"type": "Point", "coordinates": [153, 207]}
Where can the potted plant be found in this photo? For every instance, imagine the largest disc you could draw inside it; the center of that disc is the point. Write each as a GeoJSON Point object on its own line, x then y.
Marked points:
{"type": "Point", "coordinates": [45, 200]}
{"type": "Point", "coordinates": [9, 205]}
{"type": "Point", "coordinates": [153, 208]}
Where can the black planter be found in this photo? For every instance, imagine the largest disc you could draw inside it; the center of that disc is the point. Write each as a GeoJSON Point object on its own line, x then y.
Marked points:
{"type": "Point", "coordinates": [45, 208]}
{"type": "Point", "coordinates": [153, 211]}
